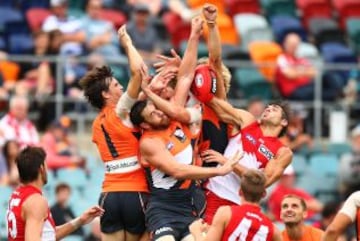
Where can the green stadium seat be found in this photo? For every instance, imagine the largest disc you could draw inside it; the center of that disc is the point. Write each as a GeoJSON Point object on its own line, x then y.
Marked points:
{"type": "Point", "coordinates": [202, 49]}
{"type": "Point", "coordinates": [279, 7]}
{"type": "Point", "coordinates": [353, 30]}
{"type": "Point", "coordinates": [252, 83]}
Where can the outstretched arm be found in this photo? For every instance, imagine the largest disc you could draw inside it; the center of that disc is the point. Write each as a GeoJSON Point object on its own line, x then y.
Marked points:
{"type": "Point", "coordinates": [214, 46]}
{"type": "Point", "coordinates": [188, 63]}
{"type": "Point", "coordinates": [275, 167]}
{"type": "Point", "coordinates": [137, 67]}
{"type": "Point", "coordinates": [85, 218]}
{"type": "Point", "coordinates": [154, 151]}
{"type": "Point", "coordinates": [228, 114]}
{"type": "Point", "coordinates": [173, 110]}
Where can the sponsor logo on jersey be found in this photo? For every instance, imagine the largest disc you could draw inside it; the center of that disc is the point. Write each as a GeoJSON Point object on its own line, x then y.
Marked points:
{"type": "Point", "coordinates": [163, 229]}
{"type": "Point", "coordinates": [179, 134]}
{"type": "Point", "coordinates": [250, 138]}
{"type": "Point", "coordinates": [266, 152]}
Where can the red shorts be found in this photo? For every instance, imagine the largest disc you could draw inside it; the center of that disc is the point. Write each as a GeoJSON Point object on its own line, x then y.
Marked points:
{"type": "Point", "coordinates": [213, 202]}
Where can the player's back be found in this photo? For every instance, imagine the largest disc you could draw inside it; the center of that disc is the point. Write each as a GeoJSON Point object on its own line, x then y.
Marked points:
{"type": "Point", "coordinates": [118, 147]}
{"type": "Point", "coordinates": [16, 224]}
{"type": "Point", "coordinates": [247, 223]}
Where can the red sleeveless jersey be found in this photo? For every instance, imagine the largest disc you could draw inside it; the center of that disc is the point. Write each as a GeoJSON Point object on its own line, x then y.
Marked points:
{"type": "Point", "coordinates": [247, 223]}
{"type": "Point", "coordinates": [16, 224]}
{"type": "Point", "coordinates": [257, 147]}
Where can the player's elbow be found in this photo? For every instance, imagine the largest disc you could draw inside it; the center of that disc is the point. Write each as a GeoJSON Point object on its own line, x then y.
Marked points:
{"type": "Point", "coordinates": [331, 233]}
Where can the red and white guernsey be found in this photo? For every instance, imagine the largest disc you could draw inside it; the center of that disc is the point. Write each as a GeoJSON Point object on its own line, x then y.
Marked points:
{"type": "Point", "coordinates": [16, 224]}
{"type": "Point", "coordinates": [258, 151]}
{"type": "Point", "coordinates": [247, 223]}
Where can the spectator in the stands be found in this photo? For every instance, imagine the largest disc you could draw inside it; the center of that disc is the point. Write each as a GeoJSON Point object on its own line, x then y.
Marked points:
{"type": "Point", "coordinates": [16, 125]}
{"type": "Point", "coordinates": [61, 151]}
{"type": "Point", "coordinates": [9, 173]}
{"type": "Point", "coordinates": [286, 186]}
{"type": "Point", "coordinates": [328, 214]}
{"type": "Point", "coordinates": [143, 32]}
{"type": "Point", "coordinates": [256, 106]}
{"type": "Point", "coordinates": [72, 35]}
{"type": "Point", "coordinates": [100, 34]}
{"type": "Point", "coordinates": [61, 211]}
{"type": "Point", "coordinates": [349, 171]}
{"type": "Point", "coordinates": [35, 77]}
{"type": "Point", "coordinates": [295, 76]}
{"type": "Point", "coordinates": [295, 136]}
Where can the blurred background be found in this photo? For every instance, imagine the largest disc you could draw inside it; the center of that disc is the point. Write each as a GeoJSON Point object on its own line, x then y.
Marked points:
{"type": "Point", "coordinates": [46, 46]}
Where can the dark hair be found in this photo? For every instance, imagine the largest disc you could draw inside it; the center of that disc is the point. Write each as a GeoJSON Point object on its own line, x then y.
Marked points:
{"type": "Point", "coordinates": [29, 162]}
{"type": "Point", "coordinates": [94, 83]}
{"type": "Point", "coordinates": [330, 209]}
{"type": "Point", "coordinates": [253, 185]}
{"type": "Point", "coordinates": [6, 152]}
{"type": "Point", "coordinates": [302, 201]}
{"type": "Point", "coordinates": [62, 186]}
{"type": "Point", "coordinates": [285, 113]}
{"type": "Point", "coordinates": [136, 116]}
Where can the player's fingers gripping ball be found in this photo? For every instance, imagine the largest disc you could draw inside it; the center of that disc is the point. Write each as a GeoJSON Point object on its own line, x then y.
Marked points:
{"type": "Point", "coordinates": [204, 84]}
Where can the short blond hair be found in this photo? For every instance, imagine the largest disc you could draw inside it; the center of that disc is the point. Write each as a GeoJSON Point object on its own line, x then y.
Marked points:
{"type": "Point", "coordinates": [225, 72]}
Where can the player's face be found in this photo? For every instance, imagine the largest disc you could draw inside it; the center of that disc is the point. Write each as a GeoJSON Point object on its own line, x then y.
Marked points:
{"type": "Point", "coordinates": [154, 117]}
{"type": "Point", "coordinates": [291, 211]}
{"type": "Point", "coordinates": [115, 90]}
{"type": "Point", "coordinates": [272, 114]}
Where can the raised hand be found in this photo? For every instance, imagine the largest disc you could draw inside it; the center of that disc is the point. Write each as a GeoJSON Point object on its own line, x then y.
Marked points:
{"type": "Point", "coordinates": [229, 165]}
{"type": "Point", "coordinates": [197, 26]}
{"type": "Point", "coordinates": [210, 13]}
{"type": "Point", "coordinates": [168, 62]}
{"type": "Point", "coordinates": [124, 36]}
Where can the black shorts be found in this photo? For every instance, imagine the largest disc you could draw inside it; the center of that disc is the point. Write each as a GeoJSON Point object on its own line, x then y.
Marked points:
{"type": "Point", "coordinates": [173, 217]}
{"type": "Point", "coordinates": [123, 211]}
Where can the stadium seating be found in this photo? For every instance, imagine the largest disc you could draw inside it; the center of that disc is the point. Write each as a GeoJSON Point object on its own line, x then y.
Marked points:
{"type": "Point", "coordinates": [178, 29]}
{"type": "Point", "coordinates": [265, 52]}
{"type": "Point", "coordinates": [282, 25]}
{"type": "Point", "coordinates": [313, 9]}
{"type": "Point", "coordinates": [300, 164]}
{"type": "Point", "coordinates": [252, 83]}
{"type": "Point", "coordinates": [9, 15]}
{"type": "Point", "coordinates": [252, 27]}
{"type": "Point", "coordinates": [115, 17]}
{"type": "Point", "coordinates": [75, 177]}
{"type": "Point", "coordinates": [26, 5]}
{"type": "Point", "coordinates": [353, 30]}
{"type": "Point", "coordinates": [242, 6]}
{"type": "Point", "coordinates": [338, 148]}
{"type": "Point", "coordinates": [2, 44]}
{"type": "Point", "coordinates": [35, 18]}
{"type": "Point", "coordinates": [279, 7]}
{"type": "Point", "coordinates": [20, 44]}
{"type": "Point", "coordinates": [324, 164]}
{"type": "Point", "coordinates": [325, 30]}
{"type": "Point", "coordinates": [347, 9]}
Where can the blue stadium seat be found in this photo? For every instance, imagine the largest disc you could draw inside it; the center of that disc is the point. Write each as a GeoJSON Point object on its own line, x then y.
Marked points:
{"type": "Point", "coordinates": [282, 25]}
{"type": "Point", "coordinates": [26, 4]}
{"type": "Point", "coordinates": [325, 30]}
{"type": "Point", "coordinates": [300, 164]}
{"type": "Point", "coordinates": [4, 197]}
{"type": "Point", "coordinates": [338, 53]}
{"type": "Point", "coordinates": [6, 3]}
{"type": "Point", "coordinates": [339, 148]}
{"type": "Point", "coordinates": [324, 164]}
{"type": "Point", "coordinates": [9, 15]}
{"type": "Point", "coordinates": [20, 43]}
{"type": "Point", "coordinates": [73, 238]}
{"type": "Point", "coordinates": [92, 193]}
{"type": "Point", "coordinates": [76, 178]}
{"type": "Point", "coordinates": [2, 44]}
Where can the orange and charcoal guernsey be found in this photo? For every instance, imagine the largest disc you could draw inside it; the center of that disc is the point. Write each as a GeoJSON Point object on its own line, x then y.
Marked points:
{"type": "Point", "coordinates": [310, 234]}
{"type": "Point", "coordinates": [118, 146]}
